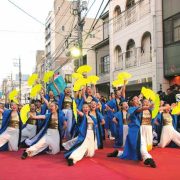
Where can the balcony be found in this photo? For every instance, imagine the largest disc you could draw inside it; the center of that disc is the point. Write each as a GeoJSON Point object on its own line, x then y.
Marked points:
{"type": "Point", "coordinates": [133, 14]}
{"type": "Point", "coordinates": [145, 58]}
{"type": "Point", "coordinates": [119, 63]}
{"type": "Point", "coordinates": [132, 59]}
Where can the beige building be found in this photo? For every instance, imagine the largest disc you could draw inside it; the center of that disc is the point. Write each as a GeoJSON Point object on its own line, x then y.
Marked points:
{"type": "Point", "coordinates": [40, 63]}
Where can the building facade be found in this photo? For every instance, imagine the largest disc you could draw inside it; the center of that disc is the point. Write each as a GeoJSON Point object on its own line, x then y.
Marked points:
{"type": "Point", "coordinates": [171, 27]}
{"type": "Point", "coordinates": [102, 58]}
{"type": "Point", "coordinates": [62, 34]}
{"type": "Point", "coordinates": [40, 63]}
{"type": "Point", "coordinates": [136, 43]}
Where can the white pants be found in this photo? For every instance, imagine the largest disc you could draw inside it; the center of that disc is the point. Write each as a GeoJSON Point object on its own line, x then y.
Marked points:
{"type": "Point", "coordinates": [51, 139]}
{"type": "Point", "coordinates": [10, 136]}
{"type": "Point", "coordinates": [67, 145]}
{"type": "Point", "coordinates": [87, 148]}
{"type": "Point", "coordinates": [169, 134]}
{"type": "Point", "coordinates": [69, 115]}
{"type": "Point", "coordinates": [143, 147]}
{"type": "Point", "coordinates": [28, 132]}
{"type": "Point", "coordinates": [125, 133]}
{"type": "Point", "coordinates": [146, 133]}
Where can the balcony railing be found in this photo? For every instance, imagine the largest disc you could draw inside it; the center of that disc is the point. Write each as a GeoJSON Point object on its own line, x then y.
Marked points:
{"type": "Point", "coordinates": [131, 58]}
{"type": "Point", "coordinates": [145, 58]}
{"type": "Point", "coordinates": [131, 15]}
{"type": "Point", "coordinates": [119, 62]}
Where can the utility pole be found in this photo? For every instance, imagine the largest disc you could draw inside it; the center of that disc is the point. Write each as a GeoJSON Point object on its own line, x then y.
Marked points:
{"type": "Point", "coordinates": [78, 9]}
{"type": "Point", "coordinates": [80, 29]}
{"type": "Point", "coordinates": [18, 64]}
{"type": "Point", "coordinates": [20, 80]}
{"type": "Point", "coordinates": [12, 81]}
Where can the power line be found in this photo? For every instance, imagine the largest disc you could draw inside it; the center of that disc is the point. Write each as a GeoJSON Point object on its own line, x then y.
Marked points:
{"type": "Point", "coordinates": [94, 20]}
{"type": "Point", "coordinates": [34, 18]}
{"type": "Point", "coordinates": [13, 31]}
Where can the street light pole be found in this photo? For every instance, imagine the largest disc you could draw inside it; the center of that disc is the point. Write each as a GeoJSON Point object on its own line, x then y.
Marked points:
{"type": "Point", "coordinates": [80, 29]}
{"type": "Point", "coordinates": [20, 80]}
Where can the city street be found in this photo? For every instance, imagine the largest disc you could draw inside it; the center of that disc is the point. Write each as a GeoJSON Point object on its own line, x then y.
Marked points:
{"type": "Point", "coordinates": [99, 167]}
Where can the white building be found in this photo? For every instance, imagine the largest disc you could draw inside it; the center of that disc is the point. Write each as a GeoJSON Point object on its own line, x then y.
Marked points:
{"type": "Point", "coordinates": [136, 43]}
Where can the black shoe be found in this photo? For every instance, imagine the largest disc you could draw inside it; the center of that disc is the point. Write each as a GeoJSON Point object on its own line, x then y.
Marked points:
{"type": "Point", "coordinates": [150, 161]}
{"type": "Point", "coordinates": [70, 162]}
{"type": "Point", "coordinates": [113, 154]}
{"type": "Point", "coordinates": [24, 155]}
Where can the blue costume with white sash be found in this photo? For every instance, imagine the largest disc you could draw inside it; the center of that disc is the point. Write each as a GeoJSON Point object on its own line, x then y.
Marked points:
{"type": "Point", "coordinates": [82, 134]}
{"type": "Point", "coordinates": [99, 129]}
{"type": "Point", "coordinates": [132, 145]}
{"type": "Point", "coordinates": [119, 128]}
{"type": "Point", "coordinates": [113, 127]}
{"type": "Point", "coordinates": [5, 123]}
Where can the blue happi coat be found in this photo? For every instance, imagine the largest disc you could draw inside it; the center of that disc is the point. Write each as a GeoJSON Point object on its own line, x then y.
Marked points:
{"type": "Point", "coordinates": [119, 128]}
{"type": "Point", "coordinates": [82, 134]}
{"type": "Point", "coordinates": [132, 144]}
{"type": "Point", "coordinates": [113, 127]}
{"type": "Point", "coordinates": [5, 123]}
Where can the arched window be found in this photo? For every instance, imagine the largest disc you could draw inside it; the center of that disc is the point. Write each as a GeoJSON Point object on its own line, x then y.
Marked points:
{"type": "Point", "coordinates": [146, 48]}
{"type": "Point", "coordinates": [117, 11]}
{"type": "Point", "coordinates": [129, 4]}
{"type": "Point", "coordinates": [117, 18]}
{"type": "Point", "coordinates": [131, 54]}
{"type": "Point", "coordinates": [118, 58]}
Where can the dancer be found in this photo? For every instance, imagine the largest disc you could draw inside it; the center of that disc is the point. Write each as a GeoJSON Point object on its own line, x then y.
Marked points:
{"type": "Point", "coordinates": [30, 129]}
{"type": "Point", "coordinates": [136, 145]}
{"type": "Point", "coordinates": [168, 124]}
{"type": "Point", "coordinates": [86, 142]}
{"type": "Point", "coordinates": [66, 105]}
{"type": "Point", "coordinates": [121, 120]}
{"type": "Point", "coordinates": [1, 114]}
{"type": "Point", "coordinates": [114, 106]}
{"type": "Point", "coordinates": [94, 112]}
{"type": "Point", "coordinates": [49, 136]}
{"type": "Point", "coordinates": [10, 132]}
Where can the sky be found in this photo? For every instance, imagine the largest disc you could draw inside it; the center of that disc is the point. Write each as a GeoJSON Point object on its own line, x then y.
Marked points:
{"type": "Point", "coordinates": [21, 36]}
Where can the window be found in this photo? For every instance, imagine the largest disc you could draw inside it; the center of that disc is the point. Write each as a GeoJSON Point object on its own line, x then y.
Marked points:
{"type": "Point", "coordinates": [172, 30]}
{"type": "Point", "coordinates": [130, 48]}
{"type": "Point", "coordinates": [118, 58]}
{"type": "Point", "coordinates": [176, 28]}
{"type": "Point", "coordinates": [63, 28]}
{"type": "Point", "coordinates": [117, 11]}
{"type": "Point", "coordinates": [105, 30]}
{"type": "Point", "coordinates": [130, 3]}
{"type": "Point", "coordinates": [105, 64]}
{"type": "Point", "coordinates": [92, 35]}
{"type": "Point", "coordinates": [48, 48]}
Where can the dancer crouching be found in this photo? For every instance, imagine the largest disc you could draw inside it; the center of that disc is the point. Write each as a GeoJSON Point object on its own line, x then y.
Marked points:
{"type": "Point", "coordinates": [49, 136]}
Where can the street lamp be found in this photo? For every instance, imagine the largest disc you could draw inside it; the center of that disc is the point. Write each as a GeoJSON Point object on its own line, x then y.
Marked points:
{"type": "Point", "coordinates": [18, 64]}
{"type": "Point", "coordinates": [75, 52]}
